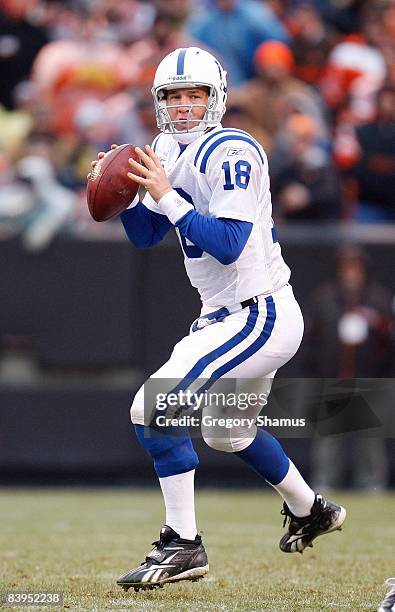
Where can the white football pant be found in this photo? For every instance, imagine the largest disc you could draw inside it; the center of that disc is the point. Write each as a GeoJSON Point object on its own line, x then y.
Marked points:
{"type": "Point", "coordinates": [251, 343]}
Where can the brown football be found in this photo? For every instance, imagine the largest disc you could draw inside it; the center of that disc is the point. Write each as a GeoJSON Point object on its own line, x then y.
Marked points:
{"type": "Point", "coordinates": [109, 190]}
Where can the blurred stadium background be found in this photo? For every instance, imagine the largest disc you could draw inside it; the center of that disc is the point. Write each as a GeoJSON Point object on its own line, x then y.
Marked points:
{"type": "Point", "coordinates": [84, 317]}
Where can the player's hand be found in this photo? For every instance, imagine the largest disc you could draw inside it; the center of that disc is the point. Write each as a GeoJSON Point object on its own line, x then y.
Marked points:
{"type": "Point", "coordinates": [153, 177]}
{"type": "Point", "coordinates": [100, 156]}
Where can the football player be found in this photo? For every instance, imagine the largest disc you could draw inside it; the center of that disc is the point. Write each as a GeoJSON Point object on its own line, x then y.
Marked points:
{"type": "Point", "coordinates": [212, 186]}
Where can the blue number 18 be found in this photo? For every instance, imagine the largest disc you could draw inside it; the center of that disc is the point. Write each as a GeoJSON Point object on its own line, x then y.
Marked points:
{"type": "Point", "coordinates": [242, 174]}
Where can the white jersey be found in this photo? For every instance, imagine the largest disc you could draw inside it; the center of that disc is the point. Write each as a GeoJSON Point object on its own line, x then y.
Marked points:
{"type": "Point", "coordinates": [224, 174]}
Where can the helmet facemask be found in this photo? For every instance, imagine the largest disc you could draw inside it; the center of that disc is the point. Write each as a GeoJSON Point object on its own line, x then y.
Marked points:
{"type": "Point", "coordinates": [167, 125]}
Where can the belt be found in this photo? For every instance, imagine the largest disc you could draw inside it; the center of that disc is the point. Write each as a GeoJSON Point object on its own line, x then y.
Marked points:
{"type": "Point", "coordinates": [249, 302]}
{"type": "Point", "coordinates": [220, 314]}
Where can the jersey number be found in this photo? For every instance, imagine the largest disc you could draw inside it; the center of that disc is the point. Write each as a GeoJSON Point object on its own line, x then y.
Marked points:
{"type": "Point", "coordinates": [242, 174]}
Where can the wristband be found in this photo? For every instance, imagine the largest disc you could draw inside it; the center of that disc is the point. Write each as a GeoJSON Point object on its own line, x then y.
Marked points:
{"type": "Point", "coordinates": [174, 206]}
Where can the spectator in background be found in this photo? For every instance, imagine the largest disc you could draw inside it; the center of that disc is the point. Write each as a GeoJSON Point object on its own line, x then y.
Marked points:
{"type": "Point", "coordinates": [311, 42]}
{"type": "Point", "coordinates": [344, 16]}
{"type": "Point", "coordinates": [377, 27]}
{"type": "Point", "coordinates": [33, 202]}
{"type": "Point", "coordinates": [234, 28]}
{"type": "Point", "coordinates": [124, 117]}
{"type": "Point", "coordinates": [358, 66]}
{"type": "Point", "coordinates": [304, 183]}
{"type": "Point", "coordinates": [348, 335]}
{"type": "Point", "coordinates": [138, 123]}
{"type": "Point", "coordinates": [125, 21]}
{"type": "Point", "coordinates": [88, 86]}
{"type": "Point", "coordinates": [365, 153]}
{"type": "Point", "coordinates": [177, 11]}
{"type": "Point", "coordinates": [163, 37]}
{"type": "Point", "coordinates": [357, 69]}
{"type": "Point", "coordinates": [374, 169]}
{"type": "Point", "coordinates": [237, 116]}
{"type": "Point", "coordinates": [351, 60]}
{"type": "Point", "coordinates": [120, 21]}
{"type": "Point", "coordinates": [20, 40]}
{"type": "Point", "coordinates": [279, 8]}
{"type": "Point", "coordinates": [274, 94]}
{"type": "Point", "coordinates": [15, 125]}
{"type": "Point", "coordinates": [66, 73]}
{"type": "Point", "coordinates": [349, 322]}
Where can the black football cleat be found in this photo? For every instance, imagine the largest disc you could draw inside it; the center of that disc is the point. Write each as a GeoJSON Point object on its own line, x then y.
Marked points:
{"type": "Point", "coordinates": [325, 517]}
{"type": "Point", "coordinates": [388, 603]}
{"type": "Point", "coordinates": [172, 559]}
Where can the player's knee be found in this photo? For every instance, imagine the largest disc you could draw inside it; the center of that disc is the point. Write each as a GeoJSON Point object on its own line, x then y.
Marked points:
{"type": "Point", "coordinates": [219, 444]}
{"type": "Point", "coordinates": [172, 454]}
{"type": "Point", "coordinates": [229, 444]}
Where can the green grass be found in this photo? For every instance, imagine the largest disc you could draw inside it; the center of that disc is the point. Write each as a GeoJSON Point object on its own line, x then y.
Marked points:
{"type": "Point", "coordinates": [79, 541]}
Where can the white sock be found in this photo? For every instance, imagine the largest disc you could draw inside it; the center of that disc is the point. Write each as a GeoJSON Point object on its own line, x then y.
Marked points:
{"type": "Point", "coordinates": [179, 494]}
{"type": "Point", "coordinates": [296, 492]}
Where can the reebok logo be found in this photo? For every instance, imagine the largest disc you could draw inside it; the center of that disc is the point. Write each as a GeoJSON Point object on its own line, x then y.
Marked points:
{"type": "Point", "coordinates": [233, 151]}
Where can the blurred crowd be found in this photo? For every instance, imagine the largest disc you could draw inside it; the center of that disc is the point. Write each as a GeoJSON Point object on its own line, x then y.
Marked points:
{"type": "Point", "coordinates": [312, 80]}
{"type": "Point", "coordinates": [350, 335]}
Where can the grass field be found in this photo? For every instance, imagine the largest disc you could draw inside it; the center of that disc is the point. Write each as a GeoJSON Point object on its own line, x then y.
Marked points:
{"type": "Point", "coordinates": [78, 542]}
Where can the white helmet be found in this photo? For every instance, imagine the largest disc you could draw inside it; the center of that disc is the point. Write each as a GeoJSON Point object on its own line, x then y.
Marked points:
{"type": "Point", "coordinates": [190, 67]}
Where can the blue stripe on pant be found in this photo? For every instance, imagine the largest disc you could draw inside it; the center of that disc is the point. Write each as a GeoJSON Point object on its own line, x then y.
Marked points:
{"type": "Point", "coordinates": [251, 350]}
{"type": "Point", "coordinates": [221, 350]}
{"type": "Point", "coordinates": [174, 454]}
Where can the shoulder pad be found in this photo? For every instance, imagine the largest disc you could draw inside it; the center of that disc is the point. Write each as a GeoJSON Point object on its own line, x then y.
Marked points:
{"type": "Point", "coordinates": [231, 136]}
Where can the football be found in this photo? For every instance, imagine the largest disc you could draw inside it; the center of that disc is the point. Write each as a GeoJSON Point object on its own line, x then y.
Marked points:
{"type": "Point", "coordinates": [109, 190]}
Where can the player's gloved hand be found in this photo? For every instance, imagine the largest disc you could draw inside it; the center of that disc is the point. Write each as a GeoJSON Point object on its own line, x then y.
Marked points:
{"type": "Point", "coordinates": [100, 156]}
